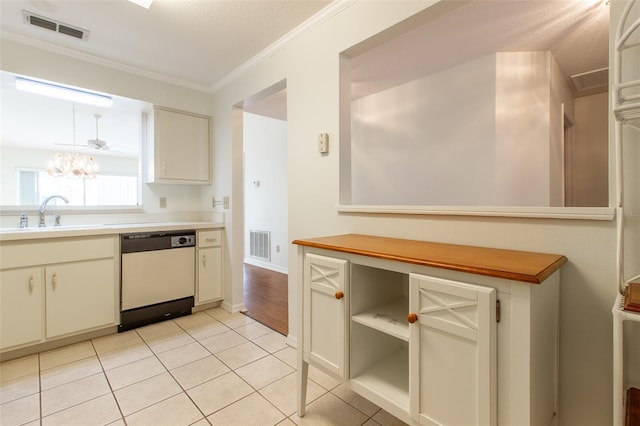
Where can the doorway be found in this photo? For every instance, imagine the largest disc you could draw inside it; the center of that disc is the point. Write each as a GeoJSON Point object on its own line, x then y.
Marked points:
{"type": "Point", "coordinates": [265, 269]}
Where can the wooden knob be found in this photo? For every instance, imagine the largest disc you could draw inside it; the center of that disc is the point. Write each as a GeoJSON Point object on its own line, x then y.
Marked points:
{"type": "Point", "coordinates": [339, 295]}
{"type": "Point", "coordinates": [412, 318]}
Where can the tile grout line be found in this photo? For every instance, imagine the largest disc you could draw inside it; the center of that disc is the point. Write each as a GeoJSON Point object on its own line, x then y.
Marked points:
{"type": "Point", "coordinates": [109, 383]}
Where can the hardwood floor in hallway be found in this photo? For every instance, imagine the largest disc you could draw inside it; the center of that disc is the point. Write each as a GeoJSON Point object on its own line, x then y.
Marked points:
{"type": "Point", "coordinates": [266, 297]}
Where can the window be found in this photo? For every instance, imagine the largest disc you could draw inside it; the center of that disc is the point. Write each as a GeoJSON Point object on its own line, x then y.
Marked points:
{"type": "Point", "coordinates": [35, 128]}
{"type": "Point", "coordinates": [104, 190]}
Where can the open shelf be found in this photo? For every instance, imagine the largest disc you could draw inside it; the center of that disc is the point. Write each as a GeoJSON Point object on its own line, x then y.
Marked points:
{"type": "Point", "coordinates": [389, 318]}
{"type": "Point", "coordinates": [388, 379]}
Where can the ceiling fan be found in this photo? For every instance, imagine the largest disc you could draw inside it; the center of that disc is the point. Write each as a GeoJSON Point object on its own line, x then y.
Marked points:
{"type": "Point", "coordinates": [97, 143]}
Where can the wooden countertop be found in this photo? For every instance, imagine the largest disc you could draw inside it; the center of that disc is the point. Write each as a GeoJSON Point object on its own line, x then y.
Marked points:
{"type": "Point", "coordinates": [530, 267]}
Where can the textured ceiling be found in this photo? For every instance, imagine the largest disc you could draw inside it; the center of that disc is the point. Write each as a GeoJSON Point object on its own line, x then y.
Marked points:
{"type": "Point", "coordinates": [194, 43]}
{"type": "Point", "coordinates": [576, 32]}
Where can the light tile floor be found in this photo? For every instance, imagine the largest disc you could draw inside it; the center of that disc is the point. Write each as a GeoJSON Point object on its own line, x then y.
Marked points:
{"type": "Point", "coordinates": [209, 368]}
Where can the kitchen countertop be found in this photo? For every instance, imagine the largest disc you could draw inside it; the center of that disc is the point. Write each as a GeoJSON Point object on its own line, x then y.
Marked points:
{"type": "Point", "coordinates": [33, 233]}
{"type": "Point", "coordinates": [525, 266]}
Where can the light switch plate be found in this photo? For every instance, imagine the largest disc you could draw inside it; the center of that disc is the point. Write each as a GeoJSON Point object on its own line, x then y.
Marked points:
{"type": "Point", "coordinates": [323, 143]}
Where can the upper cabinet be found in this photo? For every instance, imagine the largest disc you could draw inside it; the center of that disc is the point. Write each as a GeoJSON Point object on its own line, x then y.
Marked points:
{"type": "Point", "coordinates": [178, 147]}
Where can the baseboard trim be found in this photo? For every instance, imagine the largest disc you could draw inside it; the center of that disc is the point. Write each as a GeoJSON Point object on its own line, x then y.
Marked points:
{"type": "Point", "coordinates": [233, 308]}
{"type": "Point", "coordinates": [266, 265]}
{"type": "Point", "coordinates": [292, 341]}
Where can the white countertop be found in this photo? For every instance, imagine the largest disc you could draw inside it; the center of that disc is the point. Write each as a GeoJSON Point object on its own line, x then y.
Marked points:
{"type": "Point", "coordinates": [32, 233]}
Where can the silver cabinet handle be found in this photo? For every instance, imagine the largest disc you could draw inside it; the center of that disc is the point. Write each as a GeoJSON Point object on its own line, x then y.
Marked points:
{"type": "Point", "coordinates": [30, 284]}
{"type": "Point", "coordinates": [204, 260]}
{"type": "Point", "coordinates": [211, 240]}
{"type": "Point", "coordinates": [54, 281]}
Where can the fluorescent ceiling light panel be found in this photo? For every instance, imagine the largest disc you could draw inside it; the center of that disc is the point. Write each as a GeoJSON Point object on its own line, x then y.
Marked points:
{"type": "Point", "coordinates": [62, 92]}
{"type": "Point", "coordinates": [144, 3]}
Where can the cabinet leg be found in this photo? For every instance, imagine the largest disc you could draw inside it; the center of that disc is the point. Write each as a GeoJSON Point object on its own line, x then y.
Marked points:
{"type": "Point", "coordinates": [303, 373]}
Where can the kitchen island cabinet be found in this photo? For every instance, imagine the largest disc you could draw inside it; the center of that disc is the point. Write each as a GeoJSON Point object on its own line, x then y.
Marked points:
{"type": "Point", "coordinates": [433, 333]}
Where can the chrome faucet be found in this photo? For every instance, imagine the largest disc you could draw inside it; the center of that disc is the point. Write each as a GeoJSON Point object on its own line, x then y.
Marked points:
{"type": "Point", "coordinates": [44, 204]}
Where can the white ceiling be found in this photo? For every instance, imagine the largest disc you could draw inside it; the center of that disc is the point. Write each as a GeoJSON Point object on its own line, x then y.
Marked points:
{"type": "Point", "coordinates": [194, 43]}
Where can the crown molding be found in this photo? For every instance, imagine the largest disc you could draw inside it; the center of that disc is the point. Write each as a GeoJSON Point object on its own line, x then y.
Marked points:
{"type": "Point", "coordinates": [98, 60]}
{"type": "Point", "coordinates": [323, 15]}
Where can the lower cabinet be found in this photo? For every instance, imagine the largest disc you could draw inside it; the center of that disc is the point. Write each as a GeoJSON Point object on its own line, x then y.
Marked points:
{"type": "Point", "coordinates": [209, 280]}
{"type": "Point", "coordinates": [431, 347]}
{"type": "Point", "coordinates": [79, 296]}
{"type": "Point", "coordinates": [453, 363]}
{"type": "Point", "coordinates": [325, 305]}
{"type": "Point", "coordinates": [56, 288]}
{"type": "Point", "coordinates": [21, 306]}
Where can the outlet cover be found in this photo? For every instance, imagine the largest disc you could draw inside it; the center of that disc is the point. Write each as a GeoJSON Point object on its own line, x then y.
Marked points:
{"type": "Point", "coordinates": [163, 202]}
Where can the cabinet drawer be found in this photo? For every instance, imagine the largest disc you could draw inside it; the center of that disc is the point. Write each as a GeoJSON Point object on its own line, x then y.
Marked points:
{"type": "Point", "coordinates": [20, 254]}
{"type": "Point", "coordinates": [209, 239]}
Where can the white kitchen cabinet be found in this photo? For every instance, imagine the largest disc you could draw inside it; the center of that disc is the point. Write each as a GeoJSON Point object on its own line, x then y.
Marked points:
{"type": "Point", "coordinates": [178, 147]}
{"type": "Point", "coordinates": [453, 352]}
{"type": "Point", "coordinates": [325, 307]}
{"type": "Point", "coordinates": [79, 296]}
{"type": "Point", "coordinates": [21, 307]}
{"type": "Point", "coordinates": [433, 333]}
{"type": "Point", "coordinates": [209, 280]}
{"type": "Point", "coordinates": [54, 288]}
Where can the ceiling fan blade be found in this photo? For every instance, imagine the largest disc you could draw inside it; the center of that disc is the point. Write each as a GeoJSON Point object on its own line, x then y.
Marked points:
{"type": "Point", "coordinates": [70, 144]}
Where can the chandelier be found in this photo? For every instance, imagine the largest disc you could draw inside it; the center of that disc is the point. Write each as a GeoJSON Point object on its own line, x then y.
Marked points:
{"type": "Point", "coordinates": [73, 164]}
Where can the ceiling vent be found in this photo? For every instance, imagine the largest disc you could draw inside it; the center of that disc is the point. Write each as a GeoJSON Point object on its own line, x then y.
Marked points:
{"type": "Point", "coordinates": [591, 80]}
{"type": "Point", "coordinates": [53, 25]}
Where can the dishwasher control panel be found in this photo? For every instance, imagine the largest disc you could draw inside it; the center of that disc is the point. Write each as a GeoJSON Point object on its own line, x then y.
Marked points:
{"type": "Point", "coordinates": [183, 240]}
{"type": "Point", "coordinates": [160, 240]}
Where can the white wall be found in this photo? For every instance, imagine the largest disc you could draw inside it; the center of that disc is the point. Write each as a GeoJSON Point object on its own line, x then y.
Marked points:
{"type": "Point", "coordinates": [427, 142]}
{"type": "Point", "coordinates": [265, 186]}
{"type": "Point", "coordinates": [311, 68]}
{"type": "Point", "coordinates": [589, 164]}
{"type": "Point", "coordinates": [523, 86]}
{"type": "Point", "coordinates": [478, 134]}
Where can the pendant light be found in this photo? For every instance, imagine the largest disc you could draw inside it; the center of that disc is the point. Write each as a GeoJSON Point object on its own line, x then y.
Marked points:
{"type": "Point", "coordinates": [73, 164]}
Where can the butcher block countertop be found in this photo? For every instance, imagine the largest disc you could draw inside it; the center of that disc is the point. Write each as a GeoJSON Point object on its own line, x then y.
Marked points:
{"type": "Point", "coordinates": [530, 267]}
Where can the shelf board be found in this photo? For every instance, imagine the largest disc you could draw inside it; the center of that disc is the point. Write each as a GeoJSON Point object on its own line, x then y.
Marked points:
{"type": "Point", "coordinates": [390, 318]}
{"type": "Point", "coordinates": [388, 379]}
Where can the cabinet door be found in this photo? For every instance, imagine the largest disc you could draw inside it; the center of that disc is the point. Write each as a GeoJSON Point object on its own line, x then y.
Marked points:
{"type": "Point", "coordinates": [80, 296]}
{"type": "Point", "coordinates": [182, 144]}
{"type": "Point", "coordinates": [325, 312]}
{"type": "Point", "coordinates": [209, 274]}
{"type": "Point", "coordinates": [21, 307]}
{"type": "Point", "coordinates": [453, 368]}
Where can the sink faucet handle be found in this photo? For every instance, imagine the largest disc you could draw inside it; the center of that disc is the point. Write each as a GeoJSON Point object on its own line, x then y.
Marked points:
{"type": "Point", "coordinates": [57, 220]}
{"type": "Point", "coordinates": [24, 220]}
